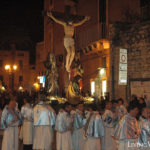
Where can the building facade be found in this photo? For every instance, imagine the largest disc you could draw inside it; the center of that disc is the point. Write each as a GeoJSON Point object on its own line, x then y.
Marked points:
{"type": "Point", "coordinates": [135, 39]}
{"type": "Point", "coordinates": [15, 70]}
{"type": "Point", "coordinates": [92, 40]}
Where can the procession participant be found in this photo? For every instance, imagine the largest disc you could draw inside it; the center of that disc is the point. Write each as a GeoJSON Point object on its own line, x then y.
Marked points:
{"type": "Point", "coordinates": [27, 127]}
{"type": "Point", "coordinates": [63, 128]}
{"type": "Point", "coordinates": [121, 108]}
{"type": "Point", "coordinates": [114, 105]}
{"type": "Point", "coordinates": [142, 104]}
{"type": "Point", "coordinates": [93, 130]}
{"type": "Point", "coordinates": [44, 121]}
{"type": "Point", "coordinates": [9, 122]}
{"type": "Point", "coordinates": [109, 119]}
{"type": "Point", "coordinates": [78, 124]}
{"type": "Point", "coordinates": [127, 131]}
{"type": "Point", "coordinates": [144, 123]}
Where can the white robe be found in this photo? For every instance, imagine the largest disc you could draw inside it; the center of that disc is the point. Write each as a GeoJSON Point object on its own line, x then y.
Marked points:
{"type": "Point", "coordinates": [108, 143]}
{"type": "Point", "coordinates": [10, 138]}
{"type": "Point", "coordinates": [44, 120]}
{"type": "Point", "coordinates": [63, 128]}
{"type": "Point", "coordinates": [127, 145]}
{"type": "Point", "coordinates": [92, 144]}
{"type": "Point", "coordinates": [127, 133]}
{"type": "Point", "coordinates": [9, 122]}
{"type": "Point", "coordinates": [94, 132]}
{"type": "Point", "coordinates": [42, 138]}
{"type": "Point", "coordinates": [63, 141]}
{"type": "Point", "coordinates": [27, 132]}
{"type": "Point", "coordinates": [78, 139]}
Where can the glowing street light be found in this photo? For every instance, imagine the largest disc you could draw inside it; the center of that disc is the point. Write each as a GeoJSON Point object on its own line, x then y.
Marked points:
{"type": "Point", "coordinates": [10, 68]}
{"type": "Point", "coordinates": [7, 67]}
{"type": "Point", "coordinates": [102, 71]}
{"type": "Point", "coordinates": [14, 67]}
{"type": "Point", "coordinates": [37, 86]}
{"type": "Point", "coordinates": [3, 88]}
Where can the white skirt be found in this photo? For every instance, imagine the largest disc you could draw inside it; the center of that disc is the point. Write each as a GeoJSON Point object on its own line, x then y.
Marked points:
{"type": "Point", "coordinates": [43, 136]}
{"type": "Point", "coordinates": [92, 144]}
{"type": "Point", "coordinates": [108, 143]}
{"type": "Point", "coordinates": [27, 133]}
{"type": "Point", "coordinates": [146, 146]}
{"type": "Point", "coordinates": [128, 145]}
{"type": "Point", "coordinates": [63, 141]}
{"type": "Point", "coordinates": [10, 138]}
{"type": "Point", "coordinates": [78, 139]}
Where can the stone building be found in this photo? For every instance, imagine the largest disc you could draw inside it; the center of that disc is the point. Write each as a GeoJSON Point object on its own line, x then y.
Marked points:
{"type": "Point", "coordinates": [15, 70]}
{"type": "Point", "coordinates": [136, 39]}
{"type": "Point", "coordinates": [92, 40]}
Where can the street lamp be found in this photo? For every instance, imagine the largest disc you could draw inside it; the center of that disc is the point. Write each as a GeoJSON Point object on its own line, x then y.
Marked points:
{"type": "Point", "coordinates": [7, 67]}
{"type": "Point", "coordinates": [11, 69]}
{"type": "Point", "coordinates": [14, 67]}
{"type": "Point", "coordinates": [37, 86]}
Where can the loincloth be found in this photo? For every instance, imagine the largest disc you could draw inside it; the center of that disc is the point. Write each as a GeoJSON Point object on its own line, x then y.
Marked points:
{"type": "Point", "coordinates": [68, 42]}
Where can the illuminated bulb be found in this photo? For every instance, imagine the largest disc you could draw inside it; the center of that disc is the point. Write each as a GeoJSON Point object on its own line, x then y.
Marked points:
{"type": "Point", "coordinates": [7, 67]}
{"type": "Point", "coordinates": [37, 86]}
{"type": "Point", "coordinates": [14, 67]}
{"type": "Point", "coordinates": [102, 71]}
{"type": "Point", "coordinates": [20, 88]}
{"type": "Point", "coordinates": [3, 88]}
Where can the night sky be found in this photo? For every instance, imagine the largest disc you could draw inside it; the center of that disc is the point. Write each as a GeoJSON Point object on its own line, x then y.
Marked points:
{"type": "Point", "coordinates": [21, 22]}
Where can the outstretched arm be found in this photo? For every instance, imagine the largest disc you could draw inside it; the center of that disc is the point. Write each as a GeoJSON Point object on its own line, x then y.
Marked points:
{"type": "Point", "coordinates": [82, 22]}
{"type": "Point", "coordinates": [49, 14]}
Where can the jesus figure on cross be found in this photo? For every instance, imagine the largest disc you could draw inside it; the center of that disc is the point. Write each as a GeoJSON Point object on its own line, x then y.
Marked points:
{"type": "Point", "coordinates": [69, 43]}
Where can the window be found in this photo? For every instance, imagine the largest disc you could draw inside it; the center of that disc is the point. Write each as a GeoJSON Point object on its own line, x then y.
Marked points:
{"type": "Point", "coordinates": [102, 17]}
{"type": "Point", "coordinates": [1, 63]}
{"type": "Point", "coordinates": [104, 87]}
{"type": "Point", "coordinates": [145, 6]}
{"type": "Point", "coordinates": [21, 54]}
{"type": "Point", "coordinates": [20, 78]}
{"type": "Point", "coordinates": [102, 11]}
{"type": "Point", "coordinates": [144, 2]}
{"type": "Point", "coordinates": [104, 62]}
{"type": "Point", "coordinates": [51, 2]}
{"type": "Point", "coordinates": [92, 87]}
{"type": "Point", "coordinates": [20, 64]}
{"type": "Point", "coordinates": [1, 78]}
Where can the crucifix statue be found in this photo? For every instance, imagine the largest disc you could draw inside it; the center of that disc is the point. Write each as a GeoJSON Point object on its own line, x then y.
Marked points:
{"type": "Point", "coordinates": [69, 22]}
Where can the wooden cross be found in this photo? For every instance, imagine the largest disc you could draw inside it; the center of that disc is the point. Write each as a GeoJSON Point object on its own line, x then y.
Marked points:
{"type": "Point", "coordinates": [66, 16]}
